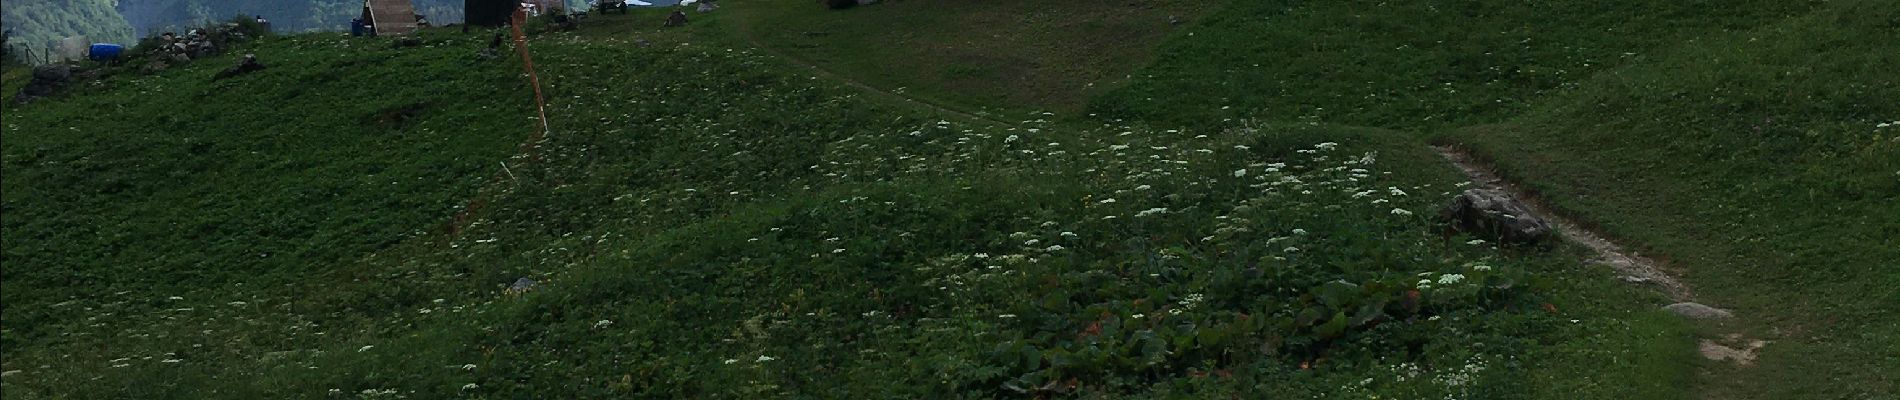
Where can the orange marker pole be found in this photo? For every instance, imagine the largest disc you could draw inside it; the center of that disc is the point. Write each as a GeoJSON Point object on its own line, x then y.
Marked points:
{"type": "Point", "coordinates": [527, 64]}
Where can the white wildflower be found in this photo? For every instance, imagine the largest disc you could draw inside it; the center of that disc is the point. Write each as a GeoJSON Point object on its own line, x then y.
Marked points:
{"type": "Point", "coordinates": [1400, 212]}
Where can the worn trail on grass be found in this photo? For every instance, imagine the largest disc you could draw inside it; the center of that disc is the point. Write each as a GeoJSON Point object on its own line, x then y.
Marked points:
{"type": "Point", "coordinates": [1733, 348]}
{"type": "Point", "coordinates": [745, 32]}
{"type": "Point", "coordinates": [1635, 267]}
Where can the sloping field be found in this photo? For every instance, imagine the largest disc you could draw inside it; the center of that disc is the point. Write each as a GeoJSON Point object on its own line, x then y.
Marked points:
{"type": "Point", "coordinates": [698, 225]}
{"type": "Point", "coordinates": [1766, 164]}
{"type": "Point", "coordinates": [706, 220]}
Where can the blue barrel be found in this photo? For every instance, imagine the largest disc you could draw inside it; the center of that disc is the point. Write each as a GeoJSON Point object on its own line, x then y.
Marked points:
{"type": "Point", "coordinates": [106, 51]}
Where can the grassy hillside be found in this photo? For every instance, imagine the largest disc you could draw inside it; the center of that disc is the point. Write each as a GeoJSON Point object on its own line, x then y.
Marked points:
{"type": "Point", "coordinates": [996, 57]}
{"type": "Point", "coordinates": [1741, 141]}
{"type": "Point", "coordinates": [176, 185]}
{"type": "Point", "coordinates": [1420, 64]}
{"type": "Point", "coordinates": [704, 221]}
{"type": "Point", "coordinates": [1757, 160]}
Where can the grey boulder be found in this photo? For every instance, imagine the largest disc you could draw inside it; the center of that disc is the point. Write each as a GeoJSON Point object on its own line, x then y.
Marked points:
{"type": "Point", "coordinates": [1696, 311]}
{"type": "Point", "coordinates": [1494, 214]}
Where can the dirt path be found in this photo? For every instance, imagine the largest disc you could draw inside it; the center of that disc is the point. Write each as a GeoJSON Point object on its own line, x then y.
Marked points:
{"type": "Point", "coordinates": [1732, 348]}
{"type": "Point", "coordinates": [1634, 267]}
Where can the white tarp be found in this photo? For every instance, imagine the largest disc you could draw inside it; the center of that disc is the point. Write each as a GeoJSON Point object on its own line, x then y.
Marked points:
{"type": "Point", "coordinates": [73, 48]}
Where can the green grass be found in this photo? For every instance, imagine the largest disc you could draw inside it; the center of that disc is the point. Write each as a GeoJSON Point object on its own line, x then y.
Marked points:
{"type": "Point", "coordinates": [706, 222]}
{"type": "Point", "coordinates": [12, 78]}
{"type": "Point", "coordinates": [1754, 161]}
{"type": "Point", "coordinates": [1001, 58]}
{"type": "Point", "coordinates": [1737, 141]}
{"type": "Point", "coordinates": [1406, 65]}
{"type": "Point", "coordinates": [175, 185]}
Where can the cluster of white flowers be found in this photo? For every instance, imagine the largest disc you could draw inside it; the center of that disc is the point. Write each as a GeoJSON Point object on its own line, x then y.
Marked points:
{"type": "Point", "coordinates": [1189, 301]}
{"type": "Point", "coordinates": [1448, 279]}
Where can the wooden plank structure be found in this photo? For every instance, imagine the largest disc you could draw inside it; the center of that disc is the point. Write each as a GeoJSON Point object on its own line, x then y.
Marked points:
{"type": "Point", "coordinates": [390, 17]}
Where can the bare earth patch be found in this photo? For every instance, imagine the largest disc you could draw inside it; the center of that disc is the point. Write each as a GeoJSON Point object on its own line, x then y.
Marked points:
{"type": "Point", "coordinates": [1634, 267]}
{"type": "Point", "coordinates": [1743, 352]}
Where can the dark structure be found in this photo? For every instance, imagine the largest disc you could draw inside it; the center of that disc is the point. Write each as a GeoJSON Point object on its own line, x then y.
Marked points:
{"type": "Point", "coordinates": [489, 13]}
{"type": "Point", "coordinates": [604, 6]}
{"type": "Point", "coordinates": [677, 18]}
{"type": "Point", "coordinates": [248, 65]}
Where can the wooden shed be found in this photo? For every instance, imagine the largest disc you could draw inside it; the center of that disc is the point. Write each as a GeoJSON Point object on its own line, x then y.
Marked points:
{"type": "Point", "coordinates": [390, 17]}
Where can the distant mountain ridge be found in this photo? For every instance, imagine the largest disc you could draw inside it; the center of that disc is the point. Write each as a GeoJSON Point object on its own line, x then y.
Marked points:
{"type": "Point", "coordinates": [152, 16]}
{"type": "Point", "coordinates": [35, 23]}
